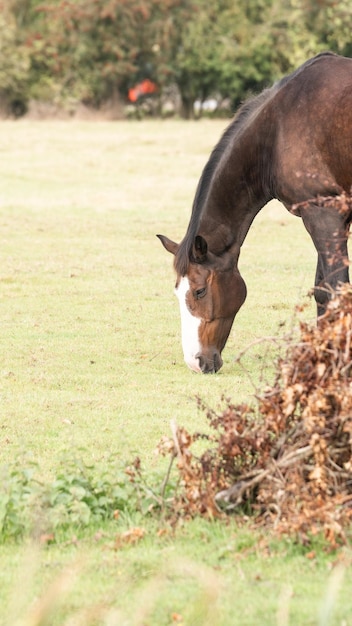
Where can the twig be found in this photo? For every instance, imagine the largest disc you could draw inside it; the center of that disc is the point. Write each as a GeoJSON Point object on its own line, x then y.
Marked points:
{"type": "Point", "coordinates": [233, 496]}
{"type": "Point", "coordinates": [166, 480]}
{"type": "Point", "coordinates": [273, 340]}
{"type": "Point", "coordinates": [256, 343]}
{"type": "Point", "coordinates": [174, 430]}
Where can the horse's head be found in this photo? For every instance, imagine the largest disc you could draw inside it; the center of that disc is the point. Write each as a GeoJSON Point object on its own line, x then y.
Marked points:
{"type": "Point", "coordinates": [210, 293]}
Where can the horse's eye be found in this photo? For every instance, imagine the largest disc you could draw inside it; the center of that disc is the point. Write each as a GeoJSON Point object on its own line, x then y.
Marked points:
{"type": "Point", "coordinates": [200, 293]}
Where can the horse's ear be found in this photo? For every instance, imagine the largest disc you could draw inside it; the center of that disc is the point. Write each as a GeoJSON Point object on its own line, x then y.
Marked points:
{"type": "Point", "coordinates": [200, 249]}
{"type": "Point", "coordinates": [169, 245]}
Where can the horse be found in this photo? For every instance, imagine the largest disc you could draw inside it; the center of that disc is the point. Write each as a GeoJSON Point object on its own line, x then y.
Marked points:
{"type": "Point", "coordinates": [292, 142]}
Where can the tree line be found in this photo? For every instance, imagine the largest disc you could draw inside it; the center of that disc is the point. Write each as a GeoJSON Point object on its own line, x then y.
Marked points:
{"type": "Point", "coordinates": [91, 51]}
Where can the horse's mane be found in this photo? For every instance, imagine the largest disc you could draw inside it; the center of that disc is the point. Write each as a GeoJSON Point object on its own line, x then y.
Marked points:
{"type": "Point", "coordinates": [246, 113]}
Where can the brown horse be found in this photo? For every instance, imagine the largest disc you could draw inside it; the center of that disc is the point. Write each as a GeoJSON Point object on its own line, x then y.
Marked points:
{"type": "Point", "coordinates": [292, 142]}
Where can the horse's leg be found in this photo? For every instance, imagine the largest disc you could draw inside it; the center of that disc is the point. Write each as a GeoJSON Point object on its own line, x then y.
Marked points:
{"type": "Point", "coordinates": [329, 231]}
{"type": "Point", "coordinates": [319, 295]}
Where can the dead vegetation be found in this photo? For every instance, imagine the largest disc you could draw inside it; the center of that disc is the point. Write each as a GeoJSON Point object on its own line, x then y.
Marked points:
{"type": "Point", "coordinates": [285, 460]}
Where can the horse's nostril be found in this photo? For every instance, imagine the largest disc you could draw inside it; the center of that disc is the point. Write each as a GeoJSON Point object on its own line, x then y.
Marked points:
{"type": "Point", "coordinates": [202, 362]}
{"type": "Point", "coordinates": [206, 366]}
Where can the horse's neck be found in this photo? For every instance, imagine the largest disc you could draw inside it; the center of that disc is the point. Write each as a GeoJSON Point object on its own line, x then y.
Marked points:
{"type": "Point", "coordinates": [235, 197]}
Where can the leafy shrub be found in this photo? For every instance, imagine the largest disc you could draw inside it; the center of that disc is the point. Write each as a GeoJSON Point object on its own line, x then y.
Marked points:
{"type": "Point", "coordinates": [19, 494]}
{"type": "Point", "coordinates": [80, 494]}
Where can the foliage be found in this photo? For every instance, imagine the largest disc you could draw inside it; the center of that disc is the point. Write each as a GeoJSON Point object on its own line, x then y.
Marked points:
{"type": "Point", "coordinates": [14, 65]}
{"type": "Point", "coordinates": [219, 51]}
{"type": "Point", "coordinates": [92, 51]}
{"type": "Point", "coordinates": [80, 495]}
{"type": "Point", "coordinates": [330, 22]}
{"type": "Point", "coordinates": [289, 458]}
{"type": "Point", "coordinates": [18, 496]}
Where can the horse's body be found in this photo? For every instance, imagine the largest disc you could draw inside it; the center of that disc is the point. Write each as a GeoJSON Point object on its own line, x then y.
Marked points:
{"type": "Point", "coordinates": [293, 142]}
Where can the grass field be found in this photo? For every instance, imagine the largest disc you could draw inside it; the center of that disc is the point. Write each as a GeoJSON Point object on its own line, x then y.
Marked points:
{"type": "Point", "coordinates": [91, 367]}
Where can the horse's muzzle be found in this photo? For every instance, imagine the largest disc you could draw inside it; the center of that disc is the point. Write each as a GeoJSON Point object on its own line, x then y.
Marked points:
{"type": "Point", "coordinates": [209, 365]}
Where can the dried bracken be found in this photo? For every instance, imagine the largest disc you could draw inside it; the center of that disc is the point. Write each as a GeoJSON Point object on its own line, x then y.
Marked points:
{"type": "Point", "coordinates": [288, 458]}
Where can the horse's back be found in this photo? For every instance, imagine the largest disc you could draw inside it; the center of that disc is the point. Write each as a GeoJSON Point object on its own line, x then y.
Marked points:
{"type": "Point", "coordinates": [312, 113]}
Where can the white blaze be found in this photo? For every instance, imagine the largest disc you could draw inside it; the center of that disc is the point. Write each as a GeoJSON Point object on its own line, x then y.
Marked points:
{"type": "Point", "coordinates": [189, 327]}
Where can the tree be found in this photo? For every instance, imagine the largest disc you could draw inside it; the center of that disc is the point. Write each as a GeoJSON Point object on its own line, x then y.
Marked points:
{"type": "Point", "coordinates": [226, 50]}
{"type": "Point", "coordinates": [197, 63]}
{"type": "Point", "coordinates": [71, 51]}
{"type": "Point", "coordinates": [331, 23]}
{"type": "Point", "coordinates": [14, 64]}
{"type": "Point", "coordinates": [92, 49]}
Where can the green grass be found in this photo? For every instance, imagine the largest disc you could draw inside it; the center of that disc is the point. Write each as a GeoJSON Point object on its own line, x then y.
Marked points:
{"type": "Point", "coordinates": [207, 575]}
{"type": "Point", "coordinates": [91, 366]}
{"type": "Point", "coordinates": [90, 343]}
